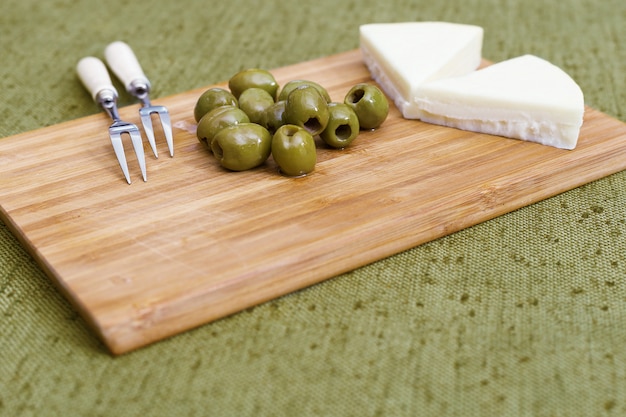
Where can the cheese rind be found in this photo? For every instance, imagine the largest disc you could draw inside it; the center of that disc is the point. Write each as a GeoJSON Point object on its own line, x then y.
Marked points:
{"type": "Point", "coordinates": [524, 98]}
{"type": "Point", "coordinates": [403, 56]}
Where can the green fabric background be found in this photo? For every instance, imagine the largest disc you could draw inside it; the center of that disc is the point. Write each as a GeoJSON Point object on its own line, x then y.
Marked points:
{"type": "Point", "coordinates": [523, 315]}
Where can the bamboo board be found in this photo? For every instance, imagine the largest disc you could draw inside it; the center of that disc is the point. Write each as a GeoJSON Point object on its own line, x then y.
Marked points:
{"type": "Point", "coordinates": [146, 261]}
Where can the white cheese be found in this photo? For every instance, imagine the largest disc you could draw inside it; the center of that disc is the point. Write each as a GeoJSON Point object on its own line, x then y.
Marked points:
{"type": "Point", "coordinates": [524, 98]}
{"type": "Point", "coordinates": [403, 56]}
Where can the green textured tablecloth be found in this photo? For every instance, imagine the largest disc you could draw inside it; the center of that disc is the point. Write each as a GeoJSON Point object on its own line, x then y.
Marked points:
{"type": "Point", "coordinates": [523, 315]}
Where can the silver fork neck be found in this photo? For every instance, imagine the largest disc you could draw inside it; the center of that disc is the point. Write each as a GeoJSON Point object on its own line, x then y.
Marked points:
{"type": "Point", "coordinates": [140, 88]}
{"type": "Point", "coordinates": [108, 101]}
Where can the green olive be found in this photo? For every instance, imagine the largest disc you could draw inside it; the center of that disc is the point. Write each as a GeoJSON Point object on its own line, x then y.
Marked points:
{"type": "Point", "coordinates": [216, 120]}
{"type": "Point", "coordinates": [369, 104]}
{"type": "Point", "coordinates": [307, 108]}
{"type": "Point", "coordinates": [212, 98]}
{"type": "Point", "coordinates": [253, 77]}
{"type": "Point", "coordinates": [274, 116]}
{"type": "Point", "coordinates": [293, 150]}
{"type": "Point", "coordinates": [254, 102]}
{"type": "Point", "coordinates": [242, 146]}
{"type": "Point", "coordinates": [293, 84]}
{"type": "Point", "coordinates": [343, 126]}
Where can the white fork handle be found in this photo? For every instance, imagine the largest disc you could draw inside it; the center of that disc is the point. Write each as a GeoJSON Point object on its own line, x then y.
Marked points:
{"type": "Point", "coordinates": [124, 64]}
{"type": "Point", "coordinates": [94, 76]}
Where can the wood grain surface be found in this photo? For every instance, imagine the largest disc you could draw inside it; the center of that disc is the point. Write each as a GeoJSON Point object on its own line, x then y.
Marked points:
{"type": "Point", "coordinates": [195, 243]}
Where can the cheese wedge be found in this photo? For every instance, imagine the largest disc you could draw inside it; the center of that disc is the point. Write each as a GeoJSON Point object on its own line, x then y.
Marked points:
{"type": "Point", "coordinates": [524, 98]}
{"type": "Point", "coordinates": [403, 56]}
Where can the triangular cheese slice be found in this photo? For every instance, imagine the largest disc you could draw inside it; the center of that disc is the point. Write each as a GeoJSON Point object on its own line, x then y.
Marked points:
{"type": "Point", "coordinates": [403, 56]}
{"type": "Point", "coordinates": [524, 98]}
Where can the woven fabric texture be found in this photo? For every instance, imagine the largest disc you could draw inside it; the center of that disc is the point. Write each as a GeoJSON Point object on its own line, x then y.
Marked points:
{"type": "Point", "coordinates": [523, 315]}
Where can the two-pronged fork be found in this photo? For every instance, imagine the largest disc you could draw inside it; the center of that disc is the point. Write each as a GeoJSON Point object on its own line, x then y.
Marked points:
{"type": "Point", "coordinates": [95, 77]}
{"type": "Point", "coordinates": [124, 64]}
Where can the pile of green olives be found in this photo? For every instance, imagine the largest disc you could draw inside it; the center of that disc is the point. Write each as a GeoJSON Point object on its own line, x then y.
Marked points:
{"type": "Point", "coordinates": [253, 118]}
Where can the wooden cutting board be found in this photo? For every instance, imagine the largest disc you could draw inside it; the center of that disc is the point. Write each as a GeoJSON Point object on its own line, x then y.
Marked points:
{"type": "Point", "coordinates": [195, 243]}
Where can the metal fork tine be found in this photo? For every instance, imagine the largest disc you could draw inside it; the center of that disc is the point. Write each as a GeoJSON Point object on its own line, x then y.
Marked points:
{"type": "Point", "coordinates": [135, 137]}
{"type": "Point", "coordinates": [167, 129]}
{"type": "Point", "coordinates": [118, 147]}
{"type": "Point", "coordinates": [146, 121]}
